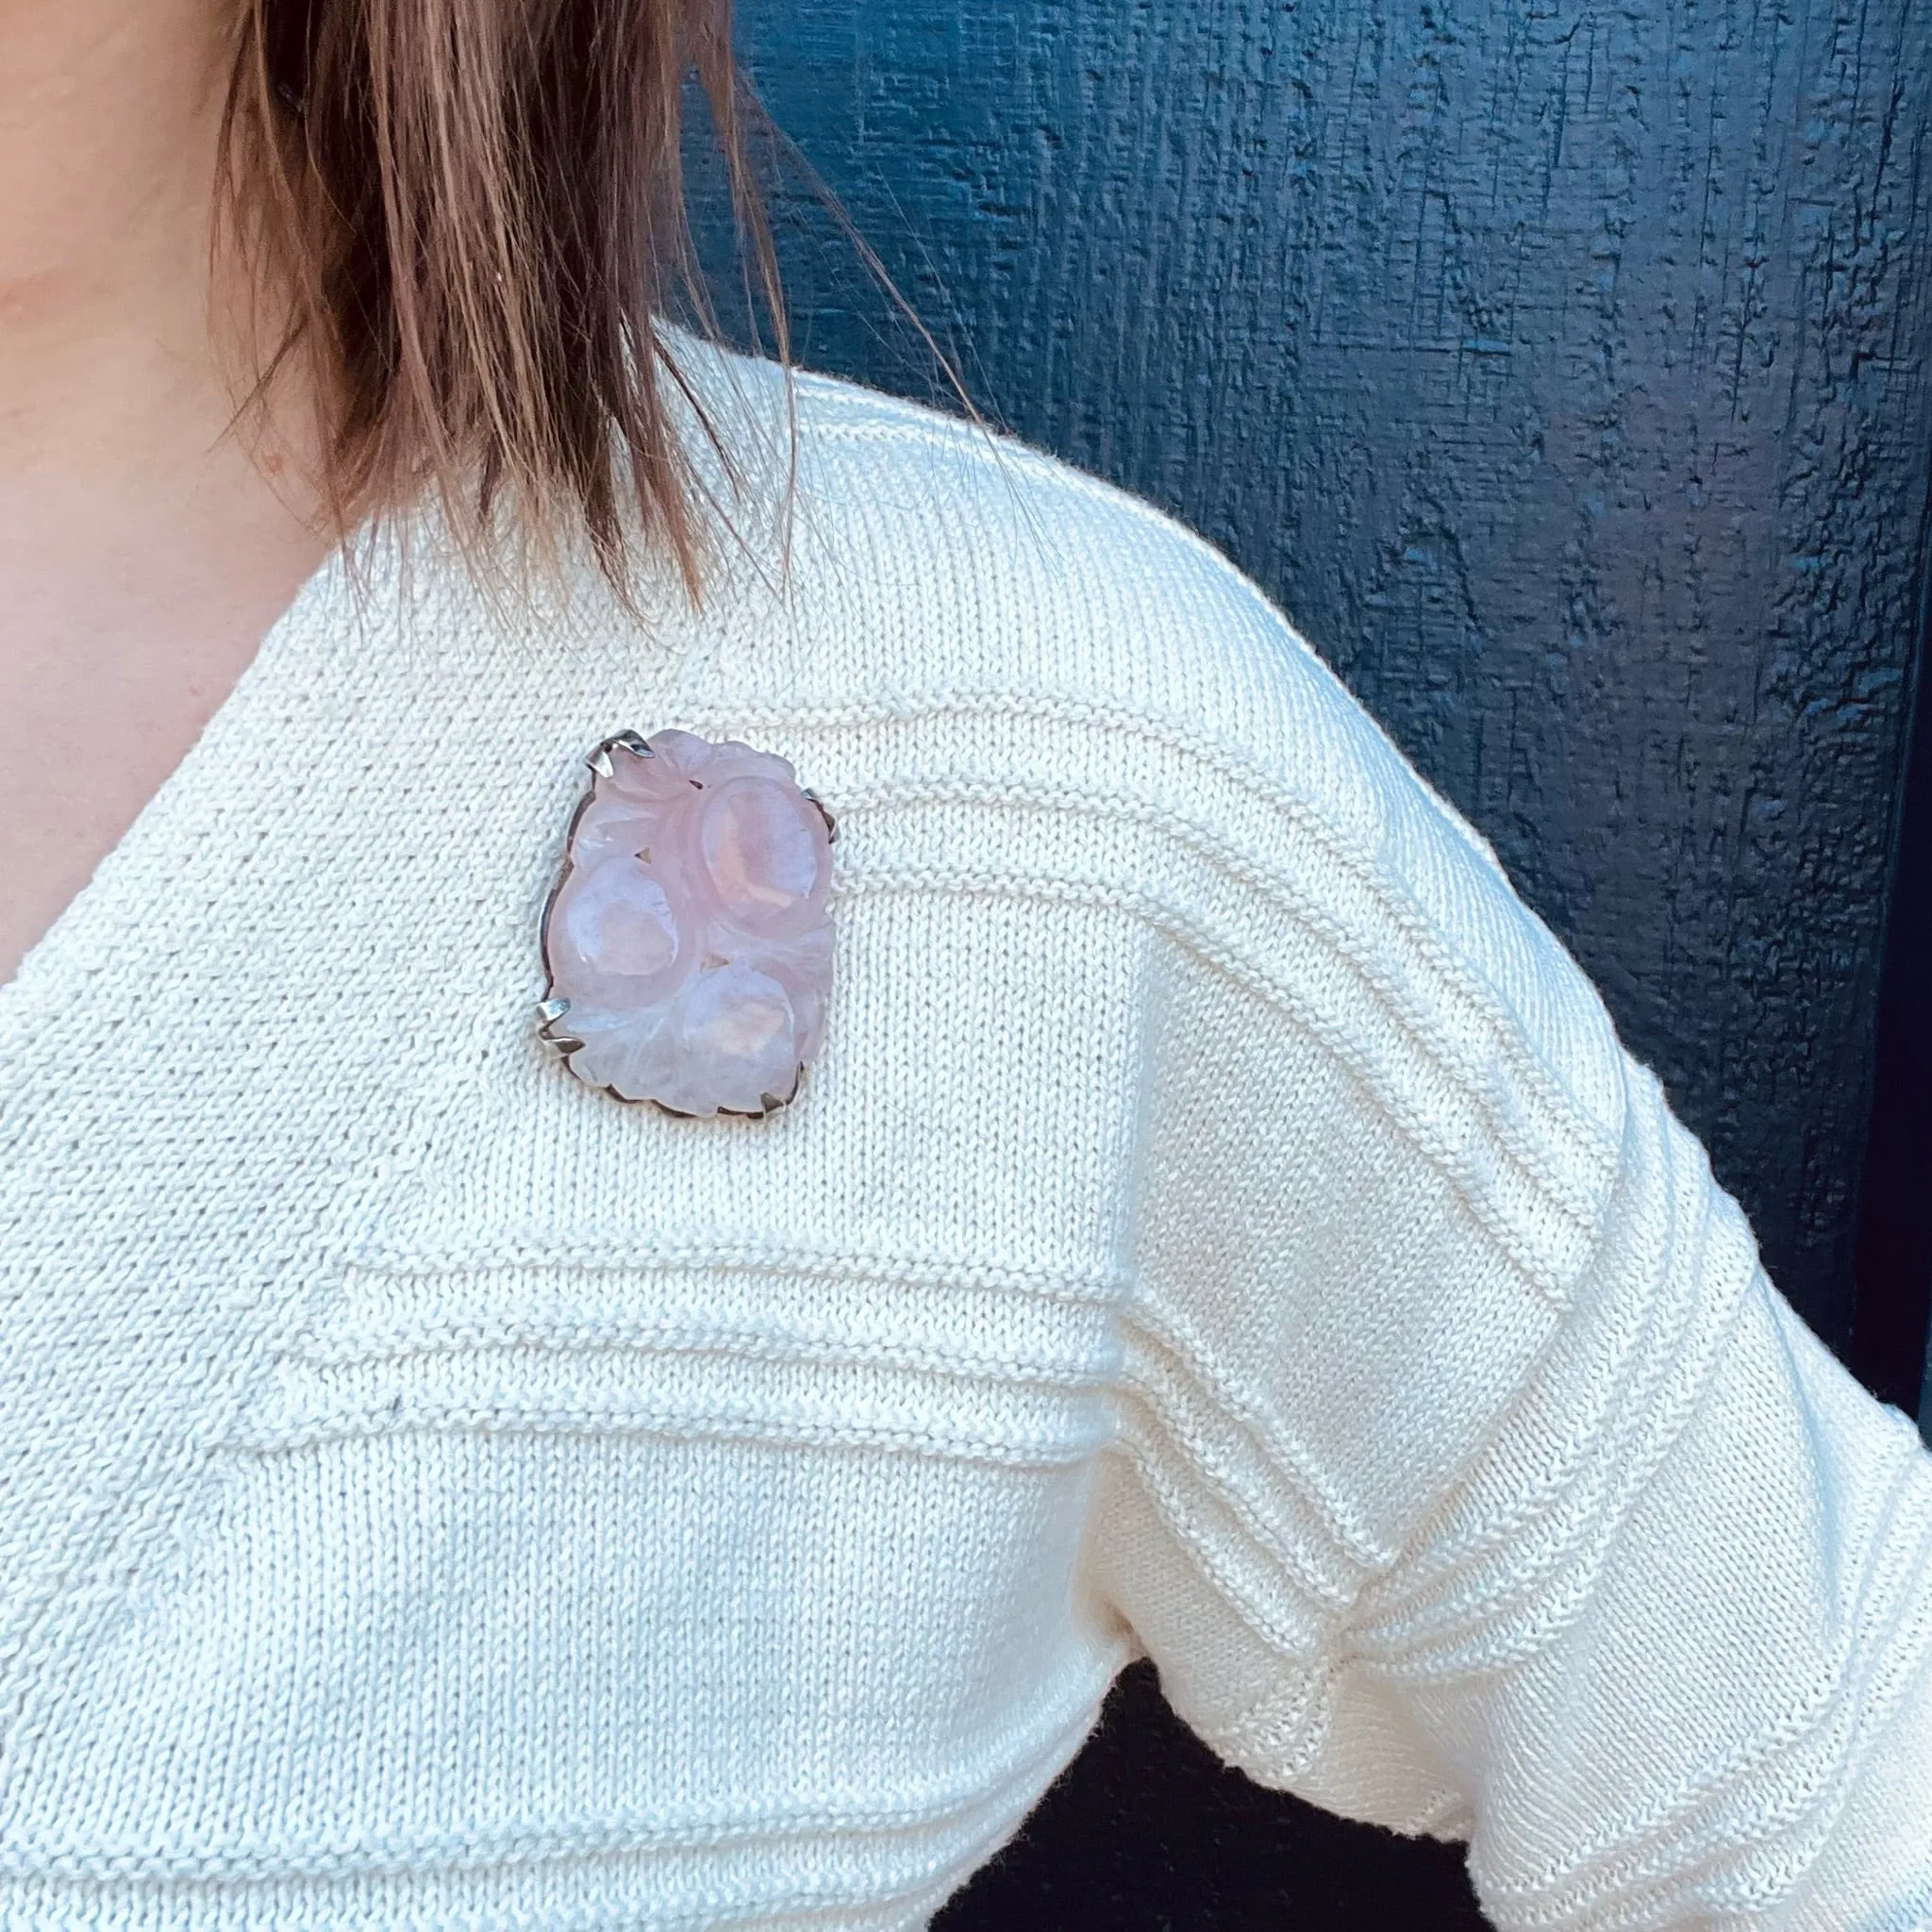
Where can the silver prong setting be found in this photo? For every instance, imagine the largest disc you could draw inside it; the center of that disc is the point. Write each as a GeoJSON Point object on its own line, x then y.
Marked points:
{"type": "Point", "coordinates": [771, 1103]}
{"type": "Point", "coordinates": [832, 824]}
{"type": "Point", "coordinates": [550, 1015]}
{"type": "Point", "coordinates": [599, 761]}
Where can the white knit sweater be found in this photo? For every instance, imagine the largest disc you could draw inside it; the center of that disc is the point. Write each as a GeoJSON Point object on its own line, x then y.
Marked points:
{"type": "Point", "coordinates": [1223, 1227]}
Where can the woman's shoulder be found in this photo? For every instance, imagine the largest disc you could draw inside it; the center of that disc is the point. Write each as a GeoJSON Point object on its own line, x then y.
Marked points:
{"type": "Point", "coordinates": [932, 558]}
{"type": "Point", "coordinates": [936, 556]}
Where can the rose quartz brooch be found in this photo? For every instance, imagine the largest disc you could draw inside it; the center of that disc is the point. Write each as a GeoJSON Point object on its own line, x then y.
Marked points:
{"type": "Point", "coordinates": [688, 942]}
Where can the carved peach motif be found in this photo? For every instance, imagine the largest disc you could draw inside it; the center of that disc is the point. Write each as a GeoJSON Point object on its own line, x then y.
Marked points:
{"type": "Point", "coordinates": [688, 943]}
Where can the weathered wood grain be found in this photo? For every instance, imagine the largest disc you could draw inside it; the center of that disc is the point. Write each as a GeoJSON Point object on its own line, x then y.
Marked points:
{"type": "Point", "coordinates": [1564, 370]}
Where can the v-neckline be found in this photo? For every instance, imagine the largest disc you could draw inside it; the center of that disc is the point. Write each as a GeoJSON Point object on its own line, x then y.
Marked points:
{"type": "Point", "coordinates": [38, 964]}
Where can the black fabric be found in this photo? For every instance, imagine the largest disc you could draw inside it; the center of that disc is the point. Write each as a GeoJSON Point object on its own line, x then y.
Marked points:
{"type": "Point", "coordinates": [1147, 1833]}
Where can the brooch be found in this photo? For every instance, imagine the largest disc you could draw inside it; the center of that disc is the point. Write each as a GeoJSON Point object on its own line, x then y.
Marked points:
{"type": "Point", "coordinates": [687, 943]}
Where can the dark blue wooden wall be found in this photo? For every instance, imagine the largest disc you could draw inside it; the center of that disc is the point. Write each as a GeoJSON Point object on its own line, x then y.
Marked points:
{"type": "Point", "coordinates": [1563, 368]}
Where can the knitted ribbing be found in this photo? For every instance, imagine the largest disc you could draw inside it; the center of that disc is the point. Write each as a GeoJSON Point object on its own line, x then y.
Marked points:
{"type": "Point", "coordinates": [1222, 1226]}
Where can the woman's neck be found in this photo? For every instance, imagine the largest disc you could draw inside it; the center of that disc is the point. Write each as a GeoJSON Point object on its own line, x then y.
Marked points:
{"type": "Point", "coordinates": [146, 546]}
{"type": "Point", "coordinates": [108, 116]}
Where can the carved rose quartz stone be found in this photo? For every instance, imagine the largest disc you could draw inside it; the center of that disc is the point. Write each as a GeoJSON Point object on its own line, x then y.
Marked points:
{"type": "Point", "coordinates": [689, 942]}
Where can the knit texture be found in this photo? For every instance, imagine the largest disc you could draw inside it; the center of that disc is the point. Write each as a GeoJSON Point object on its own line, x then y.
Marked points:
{"type": "Point", "coordinates": [1222, 1226]}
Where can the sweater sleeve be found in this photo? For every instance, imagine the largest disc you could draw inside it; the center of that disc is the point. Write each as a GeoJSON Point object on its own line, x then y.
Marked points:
{"type": "Point", "coordinates": [1471, 1476]}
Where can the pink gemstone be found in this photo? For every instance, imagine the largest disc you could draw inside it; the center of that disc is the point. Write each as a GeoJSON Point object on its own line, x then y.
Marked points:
{"type": "Point", "coordinates": [689, 933]}
{"type": "Point", "coordinates": [761, 844]}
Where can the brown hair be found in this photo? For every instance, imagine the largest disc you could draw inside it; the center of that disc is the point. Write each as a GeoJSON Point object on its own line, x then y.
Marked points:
{"type": "Point", "coordinates": [477, 207]}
